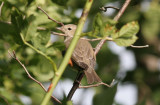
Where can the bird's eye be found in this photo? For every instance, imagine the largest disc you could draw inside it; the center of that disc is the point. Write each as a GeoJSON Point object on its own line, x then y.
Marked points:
{"type": "Point", "coordinates": [69, 28]}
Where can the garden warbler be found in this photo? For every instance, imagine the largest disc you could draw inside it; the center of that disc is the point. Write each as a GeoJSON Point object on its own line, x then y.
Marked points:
{"type": "Point", "coordinates": [83, 54]}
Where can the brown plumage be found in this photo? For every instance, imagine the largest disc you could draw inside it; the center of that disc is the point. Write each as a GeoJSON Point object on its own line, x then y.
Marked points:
{"type": "Point", "coordinates": [83, 54]}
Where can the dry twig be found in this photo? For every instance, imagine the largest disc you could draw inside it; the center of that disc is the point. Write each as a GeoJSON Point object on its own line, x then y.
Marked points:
{"type": "Point", "coordinates": [50, 17]}
{"type": "Point", "coordinates": [13, 55]}
{"type": "Point", "coordinates": [120, 13]}
{"type": "Point", "coordinates": [1, 7]}
{"type": "Point", "coordinates": [140, 46]}
{"type": "Point", "coordinates": [98, 84]}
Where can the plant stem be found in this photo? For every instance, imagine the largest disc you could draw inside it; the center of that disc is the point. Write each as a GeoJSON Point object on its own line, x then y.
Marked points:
{"type": "Point", "coordinates": [47, 57]}
{"type": "Point", "coordinates": [120, 13]}
{"type": "Point", "coordinates": [69, 51]}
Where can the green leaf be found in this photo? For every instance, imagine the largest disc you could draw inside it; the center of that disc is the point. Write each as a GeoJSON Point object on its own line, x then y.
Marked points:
{"type": "Point", "coordinates": [127, 34]}
{"type": "Point", "coordinates": [97, 24]}
{"type": "Point", "coordinates": [129, 29]}
{"type": "Point", "coordinates": [108, 28]}
{"type": "Point", "coordinates": [40, 39]}
{"type": "Point", "coordinates": [30, 30]}
{"type": "Point", "coordinates": [69, 102]}
{"type": "Point", "coordinates": [59, 45]}
{"type": "Point", "coordinates": [4, 27]}
{"type": "Point", "coordinates": [43, 70]}
{"type": "Point", "coordinates": [18, 24]}
{"type": "Point", "coordinates": [125, 41]}
{"type": "Point", "coordinates": [51, 51]}
{"type": "Point", "coordinates": [23, 25]}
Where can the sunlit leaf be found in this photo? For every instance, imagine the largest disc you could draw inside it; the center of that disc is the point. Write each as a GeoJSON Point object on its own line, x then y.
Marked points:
{"type": "Point", "coordinates": [40, 39]}
{"type": "Point", "coordinates": [125, 41]}
{"type": "Point", "coordinates": [129, 29]}
{"type": "Point", "coordinates": [97, 24]}
{"type": "Point", "coordinates": [29, 31]}
{"type": "Point", "coordinates": [127, 34]}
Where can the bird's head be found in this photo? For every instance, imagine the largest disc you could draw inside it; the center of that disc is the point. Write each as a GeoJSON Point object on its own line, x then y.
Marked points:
{"type": "Point", "coordinates": [68, 29]}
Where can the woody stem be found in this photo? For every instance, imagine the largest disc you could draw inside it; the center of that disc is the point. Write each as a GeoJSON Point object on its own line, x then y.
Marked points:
{"type": "Point", "coordinates": [76, 83]}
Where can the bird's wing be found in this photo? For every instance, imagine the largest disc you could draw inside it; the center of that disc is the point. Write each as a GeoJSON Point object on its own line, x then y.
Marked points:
{"type": "Point", "coordinates": [83, 55]}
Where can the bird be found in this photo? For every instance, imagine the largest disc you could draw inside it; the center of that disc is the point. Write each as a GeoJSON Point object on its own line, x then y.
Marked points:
{"type": "Point", "coordinates": [83, 54]}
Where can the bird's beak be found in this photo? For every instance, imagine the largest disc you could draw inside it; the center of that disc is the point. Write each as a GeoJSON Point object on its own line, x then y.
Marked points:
{"type": "Point", "coordinates": [59, 28]}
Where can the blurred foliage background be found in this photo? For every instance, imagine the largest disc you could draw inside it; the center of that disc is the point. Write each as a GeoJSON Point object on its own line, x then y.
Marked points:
{"type": "Point", "coordinates": [22, 18]}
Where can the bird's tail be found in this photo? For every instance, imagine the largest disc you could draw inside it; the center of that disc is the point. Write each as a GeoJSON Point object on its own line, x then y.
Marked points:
{"type": "Point", "coordinates": [92, 76]}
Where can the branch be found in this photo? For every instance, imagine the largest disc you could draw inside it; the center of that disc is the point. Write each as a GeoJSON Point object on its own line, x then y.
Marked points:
{"type": "Point", "coordinates": [13, 55]}
{"type": "Point", "coordinates": [50, 17]}
{"type": "Point", "coordinates": [70, 50]}
{"type": "Point", "coordinates": [120, 13]}
{"type": "Point", "coordinates": [98, 84]}
{"type": "Point", "coordinates": [140, 46]}
{"type": "Point", "coordinates": [75, 85]}
{"type": "Point", "coordinates": [1, 7]}
{"type": "Point", "coordinates": [41, 28]}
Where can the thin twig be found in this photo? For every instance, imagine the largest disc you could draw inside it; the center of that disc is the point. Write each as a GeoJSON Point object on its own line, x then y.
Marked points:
{"type": "Point", "coordinates": [91, 39]}
{"type": "Point", "coordinates": [13, 55]}
{"type": "Point", "coordinates": [105, 8]}
{"type": "Point", "coordinates": [120, 13]}
{"type": "Point", "coordinates": [41, 28]}
{"type": "Point", "coordinates": [100, 44]}
{"type": "Point", "coordinates": [1, 7]}
{"type": "Point", "coordinates": [50, 17]}
{"type": "Point", "coordinates": [61, 34]}
{"type": "Point", "coordinates": [98, 84]}
{"type": "Point", "coordinates": [4, 99]}
{"type": "Point", "coordinates": [140, 46]}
